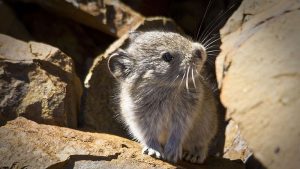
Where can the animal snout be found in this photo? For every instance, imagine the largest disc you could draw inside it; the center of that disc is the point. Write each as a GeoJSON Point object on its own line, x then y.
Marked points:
{"type": "Point", "coordinates": [199, 51]}
{"type": "Point", "coordinates": [197, 54]}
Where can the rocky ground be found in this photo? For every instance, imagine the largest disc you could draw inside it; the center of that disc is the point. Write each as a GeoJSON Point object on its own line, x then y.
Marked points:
{"type": "Point", "coordinates": [56, 109]}
{"type": "Point", "coordinates": [26, 143]}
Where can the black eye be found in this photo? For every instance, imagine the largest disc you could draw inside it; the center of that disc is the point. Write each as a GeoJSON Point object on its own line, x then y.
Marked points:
{"type": "Point", "coordinates": [167, 57]}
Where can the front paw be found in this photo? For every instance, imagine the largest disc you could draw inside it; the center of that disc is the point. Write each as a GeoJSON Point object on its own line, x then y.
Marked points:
{"type": "Point", "coordinates": [152, 152]}
{"type": "Point", "coordinates": [173, 152]}
{"type": "Point", "coordinates": [195, 157]}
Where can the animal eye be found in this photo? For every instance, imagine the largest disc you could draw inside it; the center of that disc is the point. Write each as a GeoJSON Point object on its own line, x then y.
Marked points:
{"type": "Point", "coordinates": [167, 57]}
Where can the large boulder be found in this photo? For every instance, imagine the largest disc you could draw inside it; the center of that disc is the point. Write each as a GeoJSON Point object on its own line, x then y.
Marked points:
{"type": "Point", "coordinates": [26, 144]}
{"type": "Point", "coordinates": [76, 40]}
{"type": "Point", "coordinates": [109, 16]}
{"type": "Point", "coordinates": [258, 72]}
{"type": "Point", "coordinates": [37, 81]}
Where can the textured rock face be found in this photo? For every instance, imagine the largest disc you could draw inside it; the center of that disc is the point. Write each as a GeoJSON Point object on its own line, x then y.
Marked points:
{"type": "Point", "coordinates": [100, 110]}
{"type": "Point", "coordinates": [37, 81]}
{"type": "Point", "coordinates": [235, 146]}
{"type": "Point", "coordinates": [109, 16]}
{"type": "Point", "coordinates": [258, 72]}
{"type": "Point", "coordinates": [12, 26]}
{"type": "Point", "coordinates": [26, 143]}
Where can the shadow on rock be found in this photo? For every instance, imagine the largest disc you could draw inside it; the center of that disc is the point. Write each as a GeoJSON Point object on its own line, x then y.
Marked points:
{"type": "Point", "coordinates": [70, 162]}
{"type": "Point", "coordinates": [254, 163]}
{"type": "Point", "coordinates": [2, 122]}
{"type": "Point", "coordinates": [213, 163]}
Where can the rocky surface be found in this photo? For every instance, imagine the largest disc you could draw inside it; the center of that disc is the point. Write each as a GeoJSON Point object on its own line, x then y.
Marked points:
{"type": "Point", "coordinates": [12, 26]}
{"type": "Point", "coordinates": [258, 73]}
{"type": "Point", "coordinates": [109, 16]}
{"type": "Point", "coordinates": [99, 108]}
{"type": "Point", "coordinates": [79, 42]}
{"type": "Point", "coordinates": [26, 143]}
{"type": "Point", "coordinates": [235, 146]}
{"type": "Point", "coordinates": [37, 81]}
{"type": "Point", "coordinates": [187, 13]}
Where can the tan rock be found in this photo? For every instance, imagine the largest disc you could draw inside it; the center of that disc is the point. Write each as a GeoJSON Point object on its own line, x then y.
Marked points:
{"type": "Point", "coordinates": [37, 81]}
{"type": "Point", "coordinates": [77, 41]}
{"type": "Point", "coordinates": [235, 146]}
{"type": "Point", "coordinates": [258, 72]}
{"type": "Point", "coordinates": [100, 112]}
{"type": "Point", "coordinates": [26, 143]}
{"type": "Point", "coordinates": [108, 16]}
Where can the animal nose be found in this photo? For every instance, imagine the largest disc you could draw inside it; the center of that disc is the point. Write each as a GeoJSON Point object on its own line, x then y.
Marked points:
{"type": "Point", "coordinates": [197, 54]}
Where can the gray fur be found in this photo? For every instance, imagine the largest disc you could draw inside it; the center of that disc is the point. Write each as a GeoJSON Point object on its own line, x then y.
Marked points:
{"type": "Point", "coordinates": [167, 106]}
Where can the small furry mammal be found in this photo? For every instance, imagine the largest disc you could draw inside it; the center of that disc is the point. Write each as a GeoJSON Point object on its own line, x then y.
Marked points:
{"type": "Point", "coordinates": [164, 101]}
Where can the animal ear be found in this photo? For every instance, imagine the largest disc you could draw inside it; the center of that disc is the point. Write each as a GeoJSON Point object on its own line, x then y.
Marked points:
{"type": "Point", "coordinates": [119, 64]}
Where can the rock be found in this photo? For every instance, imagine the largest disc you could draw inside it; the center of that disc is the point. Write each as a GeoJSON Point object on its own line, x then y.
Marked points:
{"type": "Point", "coordinates": [37, 81]}
{"type": "Point", "coordinates": [99, 109]}
{"type": "Point", "coordinates": [258, 73]}
{"type": "Point", "coordinates": [27, 144]}
{"type": "Point", "coordinates": [187, 14]}
{"type": "Point", "coordinates": [235, 146]}
{"type": "Point", "coordinates": [75, 40]}
{"type": "Point", "coordinates": [109, 16]}
{"type": "Point", "coordinates": [12, 26]}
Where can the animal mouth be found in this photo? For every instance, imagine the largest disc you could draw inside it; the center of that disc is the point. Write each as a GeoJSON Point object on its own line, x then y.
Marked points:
{"type": "Point", "coordinates": [190, 77]}
{"type": "Point", "coordinates": [193, 65]}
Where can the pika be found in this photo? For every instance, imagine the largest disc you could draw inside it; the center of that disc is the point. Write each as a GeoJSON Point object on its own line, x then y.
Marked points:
{"type": "Point", "coordinates": [164, 100]}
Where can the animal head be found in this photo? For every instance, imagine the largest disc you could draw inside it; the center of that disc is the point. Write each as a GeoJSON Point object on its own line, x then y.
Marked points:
{"type": "Point", "coordinates": [164, 58]}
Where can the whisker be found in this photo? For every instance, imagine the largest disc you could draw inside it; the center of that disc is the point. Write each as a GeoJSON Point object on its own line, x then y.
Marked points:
{"type": "Point", "coordinates": [212, 54]}
{"type": "Point", "coordinates": [187, 79]}
{"type": "Point", "coordinates": [210, 62]}
{"type": "Point", "coordinates": [174, 79]}
{"type": "Point", "coordinates": [193, 78]}
{"type": "Point", "coordinates": [224, 15]}
{"type": "Point", "coordinates": [196, 68]}
{"type": "Point", "coordinates": [197, 72]}
{"type": "Point", "coordinates": [210, 26]}
{"type": "Point", "coordinates": [211, 47]}
{"type": "Point", "coordinates": [205, 13]}
{"type": "Point", "coordinates": [212, 42]}
{"type": "Point", "coordinates": [210, 51]}
{"type": "Point", "coordinates": [182, 79]}
{"type": "Point", "coordinates": [203, 79]}
{"type": "Point", "coordinates": [214, 35]}
{"type": "Point", "coordinates": [212, 58]}
{"type": "Point", "coordinates": [205, 43]}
